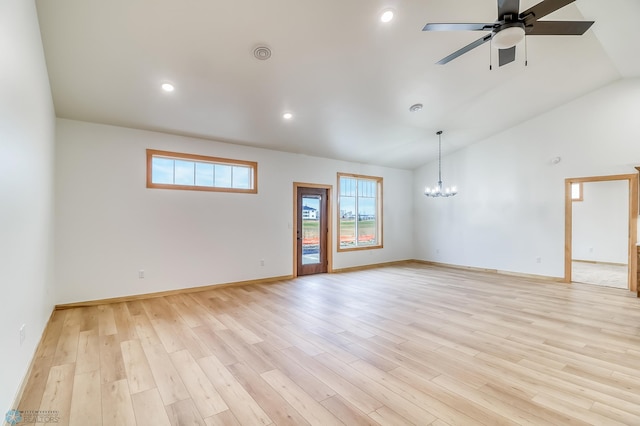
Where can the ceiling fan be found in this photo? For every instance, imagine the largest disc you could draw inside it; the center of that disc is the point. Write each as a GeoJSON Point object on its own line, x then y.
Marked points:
{"type": "Point", "coordinates": [512, 26]}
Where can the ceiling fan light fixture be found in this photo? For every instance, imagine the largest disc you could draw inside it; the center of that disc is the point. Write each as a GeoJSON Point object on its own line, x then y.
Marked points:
{"type": "Point", "coordinates": [508, 37]}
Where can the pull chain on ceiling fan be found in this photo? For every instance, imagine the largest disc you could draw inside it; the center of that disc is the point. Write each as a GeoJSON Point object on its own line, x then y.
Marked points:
{"type": "Point", "coordinates": [512, 26]}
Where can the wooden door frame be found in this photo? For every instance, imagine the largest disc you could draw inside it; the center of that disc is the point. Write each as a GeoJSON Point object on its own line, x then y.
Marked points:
{"type": "Point", "coordinates": [632, 281]}
{"type": "Point", "coordinates": [329, 189]}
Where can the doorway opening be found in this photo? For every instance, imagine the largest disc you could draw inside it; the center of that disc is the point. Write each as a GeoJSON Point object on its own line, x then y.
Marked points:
{"type": "Point", "coordinates": [587, 228]}
{"type": "Point", "coordinates": [311, 230]}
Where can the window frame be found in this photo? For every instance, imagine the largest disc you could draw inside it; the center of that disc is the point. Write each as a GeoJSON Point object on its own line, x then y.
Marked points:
{"type": "Point", "coordinates": [379, 209]}
{"type": "Point", "coordinates": [153, 153]}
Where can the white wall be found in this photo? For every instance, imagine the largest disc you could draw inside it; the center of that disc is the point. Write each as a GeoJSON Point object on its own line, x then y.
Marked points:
{"type": "Point", "coordinates": [510, 208]}
{"type": "Point", "coordinates": [601, 222]}
{"type": "Point", "coordinates": [26, 192]}
{"type": "Point", "coordinates": [109, 225]}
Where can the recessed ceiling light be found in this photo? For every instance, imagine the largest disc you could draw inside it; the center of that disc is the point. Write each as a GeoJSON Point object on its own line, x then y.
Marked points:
{"type": "Point", "coordinates": [386, 16]}
{"type": "Point", "coordinates": [168, 87]}
{"type": "Point", "coordinates": [287, 116]}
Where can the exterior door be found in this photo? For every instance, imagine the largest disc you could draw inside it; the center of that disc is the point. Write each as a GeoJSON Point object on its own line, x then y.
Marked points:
{"type": "Point", "coordinates": [311, 231]}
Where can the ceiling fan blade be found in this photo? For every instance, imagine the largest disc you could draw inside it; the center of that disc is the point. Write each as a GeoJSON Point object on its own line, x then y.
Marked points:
{"type": "Point", "coordinates": [459, 27]}
{"type": "Point", "coordinates": [542, 9]}
{"type": "Point", "coordinates": [506, 7]}
{"type": "Point", "coordinates": [506, 56]}
{"type": "Point", "coordinates": [560, 28]}
{"type": "Point", "coordinates": [465, 49]}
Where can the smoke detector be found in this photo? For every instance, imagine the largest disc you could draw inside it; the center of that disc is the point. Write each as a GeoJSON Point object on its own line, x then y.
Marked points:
{"type": "Point", "coordinates": [262, 53]}
{"type": "Point", "coordinates": [415, 107]}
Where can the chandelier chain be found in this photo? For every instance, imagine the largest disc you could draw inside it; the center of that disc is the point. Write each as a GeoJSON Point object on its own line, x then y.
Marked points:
{"type": "Point", "coordinates": [440, 157]}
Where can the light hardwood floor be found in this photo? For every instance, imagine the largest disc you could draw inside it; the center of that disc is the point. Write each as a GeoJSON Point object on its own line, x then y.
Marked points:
{"type": "Point", "coordinates": [604, 274]}
{"type": "Point", "coordinates": [406, 344]}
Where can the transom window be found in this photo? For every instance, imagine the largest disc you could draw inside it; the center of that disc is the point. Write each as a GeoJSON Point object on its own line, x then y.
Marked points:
{"type": "Point", "coordinates": [576, 191]}
{"type": "Point", "coordinates": [360, 212]}
{"type": "Point", "coordinates": [173, 170]}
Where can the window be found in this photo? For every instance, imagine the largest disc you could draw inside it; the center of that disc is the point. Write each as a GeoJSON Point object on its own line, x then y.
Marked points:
{"type": "Point", "coordinates": [173, 170]}
{"type": "Point", "coordinates": [360, 212]}
{"type": "Point", "coordinates": [576, 191]}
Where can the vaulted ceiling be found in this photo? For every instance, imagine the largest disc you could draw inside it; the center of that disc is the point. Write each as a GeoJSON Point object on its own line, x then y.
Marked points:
{"type": "Point", "coordinates": [347, 78]}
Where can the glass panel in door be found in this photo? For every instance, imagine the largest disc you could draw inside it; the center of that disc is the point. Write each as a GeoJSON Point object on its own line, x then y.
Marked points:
{"type": "Point", "coordinates": [310, 230]}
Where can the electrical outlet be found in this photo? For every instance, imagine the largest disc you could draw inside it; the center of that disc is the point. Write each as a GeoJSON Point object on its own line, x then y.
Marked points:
{"type": "Point", "coordinates": [538, 260]}
{"type": "Point", "coordinates": [261, 262]}
{"type": "Point", "coordinates": [141, 273]}
{"type": "Point", "coordinates": [23, 333]}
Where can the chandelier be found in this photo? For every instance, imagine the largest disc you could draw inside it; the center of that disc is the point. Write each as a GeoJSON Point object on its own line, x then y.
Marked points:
{"type": "Point", "coordinates": [438, 190]}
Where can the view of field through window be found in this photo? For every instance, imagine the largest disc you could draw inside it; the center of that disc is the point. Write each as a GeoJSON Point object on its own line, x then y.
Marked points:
{"type": "Point", "coordinates": [175, 170]}
{"type": "Point", "coordinates": [193, 173]}
{"type": "Point", "coordinates": [359, 206]}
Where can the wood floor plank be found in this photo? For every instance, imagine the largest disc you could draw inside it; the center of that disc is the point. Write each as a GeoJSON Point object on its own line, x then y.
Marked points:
{"type": "Point", "coordinates": [274, 405]}
{"type": "Point", "coordinates": [414, 394]}
{"type": "Point", "coordinates": [36, 382]}
{"type": "Point", "coordinates": [243, 351]}
{"type": "Point", "coordinates": [403, 407]}
{"type": "Point", "coordinates": [51, 335]}
{"type": "Point", "coordinates": [342, 387]}
{"type": "Point", "coordinates": [254, 322]}
{"type": "Point", "coordinates": [387, 417]}
{"type": "Point", "coordinates": [189, 311]}
{"type": "Point", "coordinates": [111, 363]}
{"type": "Point", "coordinates": [347, 413]}
{"type": "Point", "coordinates": [192, 342]}
{"type": "Point", "coordinates": [88, 358]}
{"type": "Point", "coordinates": [241, 404]}
{"type": "Point", "coordinates": [575, 411]}
{"type": "Point", "coordinates": [222, 351]}
{"type": "Point", "coordinates": [164, 320]}
{"type": "Point", "coordinates": [106, 321]}
{"type": "Point", "coordinates": [501, 407]}
{"type": "Point", "coordinates": [203, 393]}
{"type": "Point", "coordinates": [226, 418]}
{"type": "Point", "coordinates": [149, 409]}
{"type": "Point", "coordinates": [308, 407]}
{"type": "Point", "coordinates": [137, 368]}
{"type": "Point", "coordinates": [243, 332]}
{"type": "Point", "coordinates": [183, 413]}
{"type": "Point", "coordinates": [169, 335]}
{"type": "Point", "coordinates": [135, 307]}
{"type": "Point", "coordinates": [58, 391]}
{"type": "Point", "coordinates": [145, 331]}
{"type": "Point", "coordinates": [124, 322]}
{"type": "Point", "coordinates": [117, 408]}
{"type": "Point", "coordinates": [313, 386]}
{"type": "Point", "coordinates": [67, 347]}
{"type": "Point", "coordinates": [165, 375]}
{"type": "Point", "coordinates": [475, 414]}
{"type": "Point", "coordinates": [86, 399]}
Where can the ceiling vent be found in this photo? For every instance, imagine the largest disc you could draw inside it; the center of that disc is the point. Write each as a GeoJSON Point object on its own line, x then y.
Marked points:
{"type": "Point", "coordinates": [262, 53]}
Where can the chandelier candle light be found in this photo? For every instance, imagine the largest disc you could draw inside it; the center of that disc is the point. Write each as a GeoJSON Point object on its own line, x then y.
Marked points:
{"type": "Point", "coordinates": [438, 191]}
